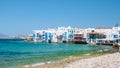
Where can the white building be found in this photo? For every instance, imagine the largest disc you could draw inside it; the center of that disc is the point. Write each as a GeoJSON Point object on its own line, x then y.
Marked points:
{"type": "Point", "coordinates": [66, 34]}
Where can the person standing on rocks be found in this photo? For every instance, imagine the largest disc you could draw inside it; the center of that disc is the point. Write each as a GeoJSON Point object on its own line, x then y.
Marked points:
{"type": "Point", "coordinates": [116, 47]}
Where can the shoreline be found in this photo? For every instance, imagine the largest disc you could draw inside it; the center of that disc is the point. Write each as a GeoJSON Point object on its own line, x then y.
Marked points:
{"type": "Point", "coordinates": [92, 44]}
{"type": "Point", "coordinates": [104, 61]}
{"type": "Point", "coordinates": [62, 63]}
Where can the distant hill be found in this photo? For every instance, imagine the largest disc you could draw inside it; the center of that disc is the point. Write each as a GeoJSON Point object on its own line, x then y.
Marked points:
{"type": "Point", "coordinates": [3, 35]}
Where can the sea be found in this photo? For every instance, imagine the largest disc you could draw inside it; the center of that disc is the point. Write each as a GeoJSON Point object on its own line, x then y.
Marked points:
{"type": "Point", "coordinates": [15, 53]}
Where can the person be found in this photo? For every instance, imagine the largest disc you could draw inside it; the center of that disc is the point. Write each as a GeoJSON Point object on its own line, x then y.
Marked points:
{"type": "Point", "coordinates": [116, 47]}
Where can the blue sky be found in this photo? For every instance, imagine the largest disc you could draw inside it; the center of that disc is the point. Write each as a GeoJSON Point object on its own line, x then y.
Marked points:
{"type": "Point", "coordinates": [23, 16]}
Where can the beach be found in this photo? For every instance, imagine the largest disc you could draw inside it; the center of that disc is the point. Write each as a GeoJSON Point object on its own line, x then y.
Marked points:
{"type": "Point", "coordinates": [103, 61]}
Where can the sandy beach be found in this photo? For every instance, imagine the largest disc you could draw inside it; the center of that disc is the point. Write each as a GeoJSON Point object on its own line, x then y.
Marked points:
{"type": "Point", "coordinates": [102, 61]}
{"type": "Point", "coordinates": [105, 61]}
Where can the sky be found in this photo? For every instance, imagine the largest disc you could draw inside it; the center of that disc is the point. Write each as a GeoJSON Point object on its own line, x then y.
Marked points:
{"type": "Point", "coordinates": [22, 16]}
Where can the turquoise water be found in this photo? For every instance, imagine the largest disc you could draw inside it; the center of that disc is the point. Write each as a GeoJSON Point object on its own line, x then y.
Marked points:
{"type": "Point", "coordinates": [17, 53]}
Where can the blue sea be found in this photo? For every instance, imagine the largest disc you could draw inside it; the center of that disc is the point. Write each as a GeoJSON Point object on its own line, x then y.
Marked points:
{"type": "Point", "coordinates": [17, 53]}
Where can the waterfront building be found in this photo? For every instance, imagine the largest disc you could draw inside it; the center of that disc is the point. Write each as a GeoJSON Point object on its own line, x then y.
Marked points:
{"type": "Point", "coordinates": [70, 34]}
{"type": "Point", "coordinates": [37, 35]}
{"type": "Point", "coordinates": [77, 35]}
{"type": "Point", "coordinates": [78, 38]}
{"type": "Point", "coordinates": [112, 34]}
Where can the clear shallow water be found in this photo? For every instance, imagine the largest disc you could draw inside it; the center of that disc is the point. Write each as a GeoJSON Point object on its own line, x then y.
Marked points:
{"type": "Point", "coordinates": [17, 53]}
